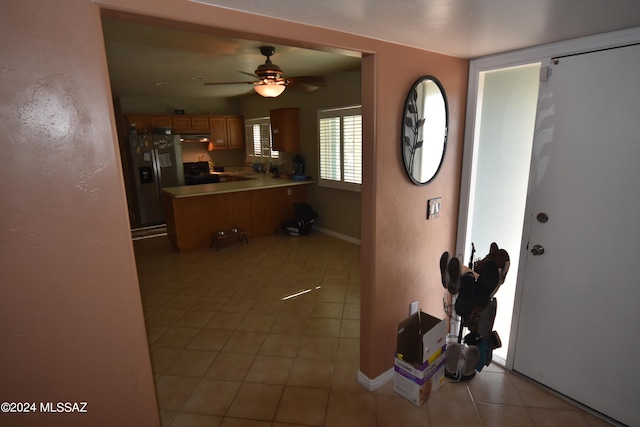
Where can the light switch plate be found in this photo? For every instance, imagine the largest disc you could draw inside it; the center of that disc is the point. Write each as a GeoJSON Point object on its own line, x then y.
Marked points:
{"type": "Point", "coordinates": [433, 207]}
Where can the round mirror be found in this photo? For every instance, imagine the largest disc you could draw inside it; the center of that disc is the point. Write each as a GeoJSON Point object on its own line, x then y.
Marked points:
{"type": "Point", "coordinates": [424, 130]}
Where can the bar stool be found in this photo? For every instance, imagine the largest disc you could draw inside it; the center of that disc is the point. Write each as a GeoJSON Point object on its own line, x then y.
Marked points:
{"type": "Point", "coordinates": [221, 235]}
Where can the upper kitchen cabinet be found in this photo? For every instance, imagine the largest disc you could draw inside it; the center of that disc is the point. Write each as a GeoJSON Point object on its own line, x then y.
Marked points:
{"type": "Point", "coordinates": [141, 124]}
{"type": "Point", "coordinates": [183, 124]}
{"type": "Point", "coordinates": [146, 123]}
{"type": "Point", "coordinates": [235, 130]}
{"type": "Point", "coordinates": [227, 133]}
{"type": "Point", "coordinates": [285, 129]}
{"type": "Point", "coordinates": [161, 122]}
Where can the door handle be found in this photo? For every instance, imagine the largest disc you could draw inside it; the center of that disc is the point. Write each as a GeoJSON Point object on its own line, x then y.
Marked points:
{"type": "Point", "coordinates": [537, 250]}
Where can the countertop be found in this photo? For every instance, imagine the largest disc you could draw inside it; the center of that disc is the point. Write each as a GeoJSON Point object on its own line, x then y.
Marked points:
{"type": "Point", "coordinates": [251, 181]}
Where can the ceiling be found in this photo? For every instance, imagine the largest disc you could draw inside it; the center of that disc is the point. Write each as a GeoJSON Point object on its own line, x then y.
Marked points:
{"type": "Point", "coordinates": [151, 61]}
{"type": "Point", "coordinates": [155, 61]}
{"type": "Point", "coordinates": [461, 28]}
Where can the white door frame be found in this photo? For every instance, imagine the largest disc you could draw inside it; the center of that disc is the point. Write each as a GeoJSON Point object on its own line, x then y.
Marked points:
{"type": "Point", "coordinates": [541, 54]}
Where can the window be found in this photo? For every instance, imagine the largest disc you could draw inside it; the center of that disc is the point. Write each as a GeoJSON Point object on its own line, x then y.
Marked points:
{"type": "Point", "coordinates": [340, 133]}
{"type": "Point", "coordinates": [258, 135]}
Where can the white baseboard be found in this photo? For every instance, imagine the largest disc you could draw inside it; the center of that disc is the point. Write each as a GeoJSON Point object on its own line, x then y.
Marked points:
{"type": "Point", "coordinates": [338, 235]}
{"type": "Point", "coordinates": [376, 383]}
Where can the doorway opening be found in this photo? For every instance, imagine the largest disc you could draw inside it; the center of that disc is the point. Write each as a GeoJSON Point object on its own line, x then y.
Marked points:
{"type": "Point", "coordinates": [158, 71]}
{"type": "Point", "coordinates": [499, 175]}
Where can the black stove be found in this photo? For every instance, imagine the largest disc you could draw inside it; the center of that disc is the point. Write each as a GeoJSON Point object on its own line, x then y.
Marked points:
{"type": "Point", "coordinates": [198, 173]}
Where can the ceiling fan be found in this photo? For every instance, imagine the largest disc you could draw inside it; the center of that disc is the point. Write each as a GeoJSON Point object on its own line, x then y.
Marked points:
{"type": "Point", "coordinates": [270, 82]}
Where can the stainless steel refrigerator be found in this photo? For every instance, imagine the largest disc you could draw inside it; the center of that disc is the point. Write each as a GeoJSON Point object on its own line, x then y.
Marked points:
{"type": "Point", "coordinates": [157, 163]}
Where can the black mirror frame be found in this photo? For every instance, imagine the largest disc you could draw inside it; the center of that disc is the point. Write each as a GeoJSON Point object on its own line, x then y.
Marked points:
{"type": "Point", "coordinates": [408, 121]}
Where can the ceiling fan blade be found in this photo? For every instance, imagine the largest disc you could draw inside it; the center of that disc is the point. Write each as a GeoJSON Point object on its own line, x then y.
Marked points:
{"type": "Point", "coordinates": [303, 87]}
{"type": "Point", "coordinates": [309, 80]}
{"type": "Point", "coordinates": [235, 83]}
{"type": "Point", "coordinates": [307, 83]}
{"type": "Point", "coordinates": [227, 83]}
{"type": "Point", "coordinates": [249, 74]}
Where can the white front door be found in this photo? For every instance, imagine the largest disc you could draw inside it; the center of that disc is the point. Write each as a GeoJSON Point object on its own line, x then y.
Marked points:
{"type": "Point", "coordinates": [580, 312]}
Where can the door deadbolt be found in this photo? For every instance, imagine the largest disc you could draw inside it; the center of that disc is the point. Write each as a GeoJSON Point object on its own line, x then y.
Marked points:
{"type": "Point", "coordinates": [537, 250]}
{"type": "Point", "coordinates": [542, 217]}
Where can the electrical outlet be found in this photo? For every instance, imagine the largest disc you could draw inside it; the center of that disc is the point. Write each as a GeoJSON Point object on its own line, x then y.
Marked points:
{"type": "Point", "coordinates": [433, 207]}
{"type": "Point", "coordinates": [288, 191]}
{"type": "Point", "coordinates": [413, 308]}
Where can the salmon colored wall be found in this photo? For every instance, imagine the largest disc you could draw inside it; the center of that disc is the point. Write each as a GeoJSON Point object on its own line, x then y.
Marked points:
{"type": "Point", "coordinates": [72, 319]}
{"type": "Point", "coordinates": [405, 248]}
{"type": "Point", "coordinates": [70, 309]}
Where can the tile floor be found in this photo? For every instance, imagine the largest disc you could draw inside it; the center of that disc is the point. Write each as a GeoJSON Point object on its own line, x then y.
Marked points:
{"type": "Point", "coordinates": [227, 351]}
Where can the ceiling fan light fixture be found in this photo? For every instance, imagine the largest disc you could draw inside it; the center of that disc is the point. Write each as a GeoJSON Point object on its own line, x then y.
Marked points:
{"type": "Point", "coordinates": [270, 83]}
{"type": "Point", "coordinates": [269, 90]}
{"type": "Point", "coordinates": [269, 69]}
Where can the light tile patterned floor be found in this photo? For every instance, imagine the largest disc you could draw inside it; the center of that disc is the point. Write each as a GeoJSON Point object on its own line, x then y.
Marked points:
{"type": "Point", "coordinates": [226, 350]}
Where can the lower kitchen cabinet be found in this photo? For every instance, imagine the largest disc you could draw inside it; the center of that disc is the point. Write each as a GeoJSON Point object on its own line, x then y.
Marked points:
{"type": "Point", "coordinates": [191, 221]}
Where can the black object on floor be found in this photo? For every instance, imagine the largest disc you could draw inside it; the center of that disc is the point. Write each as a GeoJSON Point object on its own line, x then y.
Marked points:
{"type": "Point", "coordinates": [301, 225]}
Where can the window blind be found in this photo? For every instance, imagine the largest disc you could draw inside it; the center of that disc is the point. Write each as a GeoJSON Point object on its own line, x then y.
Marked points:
{"type": "Point", "coordinates": [258, 134]}
{"type": "Point", "coordinates": [352, 149]}
{"type": "Point", "coordinates": [330, 162]}
{"type": "Point", "coordinates": [340, 147]}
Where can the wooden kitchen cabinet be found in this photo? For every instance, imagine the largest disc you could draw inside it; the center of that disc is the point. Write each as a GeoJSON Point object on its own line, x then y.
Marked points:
{"type": "Point", "coordinates": [161, 122]}
{"type": "Point", "coordinates": [147, 123]}
{"type": "Point", "coordinates": [183, 124]}
{"type": "Point", "coordinates": [141, 124]}
{"type": "Point", "coordinates": [200, 123]}
{"type": "Point", "coordinates": [192, 221]}
{"type": "Point", "coordinates": [227, 133]}
{"type": "Point", "coordinates": [285, 129]}
{"type": "Point", "coordinates": [235, 132]}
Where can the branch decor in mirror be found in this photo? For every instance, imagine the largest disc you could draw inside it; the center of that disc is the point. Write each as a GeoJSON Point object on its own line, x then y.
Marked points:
{"type": "Point", "coordinates": [424, 130]}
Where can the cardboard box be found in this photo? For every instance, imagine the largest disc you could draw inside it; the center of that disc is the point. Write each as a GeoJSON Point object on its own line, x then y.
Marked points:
{"type": "Point", "coordinates": [420, 337]}
{"type": "Point", "coordinates": [417, 384]}
{"type": "Point", "coordinates": [420, 357]}
{"type": "Point", "coordinates": [420, 372]}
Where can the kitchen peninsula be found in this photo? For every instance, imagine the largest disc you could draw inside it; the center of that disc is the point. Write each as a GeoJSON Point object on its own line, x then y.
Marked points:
{"type": "Point", "coordinates": [254, 202]}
